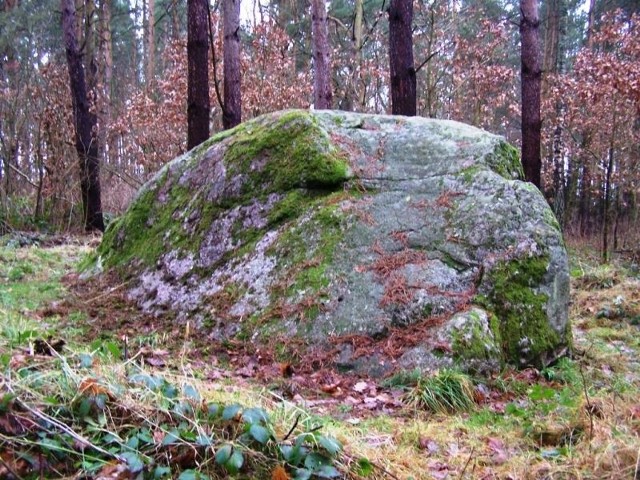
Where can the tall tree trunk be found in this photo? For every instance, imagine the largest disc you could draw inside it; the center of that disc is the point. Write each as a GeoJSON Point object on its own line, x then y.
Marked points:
{"type": "Point", "coordinates": [608, 186]}
{"type": "Point", "coordinates": [84, 122]}
{"type": "Point", "coordinates": [402, 69]}
{"type": "Point", "coordinates": [606, 207]}
{"type": "Point", "coordinates": [550, 58]}
{"type": "Point", "coordinates": [89, 45]}
{"type": "Point", "coordinates": [531, 79]}
{"type": "Point", "coordinates": [105, 73]}
{"type": "Point", "coordinates": [585, 200]}
{"type": "Point", "coordinates": [151, 43]}
{"type": "Point", "coordinates": [322, 95]}
{"type": "Point", "coordinates": [232, 110]}
{"type": "Point", "coordinates": [198, 106]}
{"type": "Point", "coordinates": [359, 86]}
{"type": "Point", "coordinates": [591, 22]}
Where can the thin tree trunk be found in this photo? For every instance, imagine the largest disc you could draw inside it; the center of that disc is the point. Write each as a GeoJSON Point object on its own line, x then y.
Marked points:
{"type": "Point", "coordinates": [322, 95]}
{"type": "Point", "coordinates": [606, 209]}
{"type": "Point", "coordinates": [531, 79]}
{"type": "Point", "coordinates": [84, 122]}
{"type": "Point", "coordinates": [550, 58]}
{"type": "Point", "coordinates": [106, 76]}
{"type": "Point", "coordinates": [402, 69]}
{"type": "Point", "coordinates": [359, 86]}
{"type": "Point", "coordinates": [606, 214]}
{"type": "Point", "coordinates": [585, 201]}
{"type": "Point", "coordinates": [198, 106]}
{"type": "Point", "coordinates": [151, 43]}
{"type": "Point", "coordinates": [232, 110]}
{"type": "Point", "coordinates": [591, 22]}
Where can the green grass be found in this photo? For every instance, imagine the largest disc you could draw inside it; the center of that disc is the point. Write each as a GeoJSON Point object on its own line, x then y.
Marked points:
{"type": "Point", "coordinates": [448, 391]}
{"type": "Point", "coordinates": [574, 419]}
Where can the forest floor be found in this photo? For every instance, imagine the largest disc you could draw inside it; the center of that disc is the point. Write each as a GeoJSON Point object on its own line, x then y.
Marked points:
{"type": "Point", "coordinates": [91, 388]}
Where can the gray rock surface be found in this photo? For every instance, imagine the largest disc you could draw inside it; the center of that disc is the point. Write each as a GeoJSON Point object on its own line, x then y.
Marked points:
{"type": "Point", "coordinates": [329, 226]}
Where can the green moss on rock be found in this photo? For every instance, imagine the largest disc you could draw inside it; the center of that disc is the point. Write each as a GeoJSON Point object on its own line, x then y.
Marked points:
{"type": "Point", "coordinates": [525, 331]}
{"type": "Point", "coordinates": [475, 338]}
{"type": "Point", "coordinates": [295, 152]}
{"type": "Point", "coordinates": [292, 155]}
{"type": "Point", "coordinates": [505, 161]}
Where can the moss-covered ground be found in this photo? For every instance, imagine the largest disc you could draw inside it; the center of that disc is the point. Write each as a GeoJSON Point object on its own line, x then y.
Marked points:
{"type": "Point", "coordinates": [135, 397]}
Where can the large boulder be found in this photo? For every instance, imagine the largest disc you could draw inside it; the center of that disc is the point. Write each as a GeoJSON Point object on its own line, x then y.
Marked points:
{"type": "Point", "coordinates": [393, 240]}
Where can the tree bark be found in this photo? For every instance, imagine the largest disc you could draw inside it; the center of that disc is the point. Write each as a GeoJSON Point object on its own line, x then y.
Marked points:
{"type": "Point", "coordinates": [232, 110]}
{"type": "Point", "coordinates": [105, 72]}
{"type": "Point", "coordinates": [591, 20]}
{"type": "Point", "coordinates": [531, 83]}
{"type": "Point", "coordinates": [198, 106]}
{"type": "Point", "coordinates": [151, 43]}
{"type": "Point", "coordinates": [359, 86]}
{"type": "Point", "coordinates": [322, 95]}
{"type": "Point", "coordinates": [402, 69]}
{"type": "Point", "coordinates": [84, 123]}
{"type": "Point", "coordinates": [550, 59]}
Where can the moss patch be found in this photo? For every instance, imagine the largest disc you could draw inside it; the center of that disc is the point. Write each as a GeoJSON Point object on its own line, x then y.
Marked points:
{"type": "Point", "coordinates": [306, 250]}
{"type": "Point", "coordinates": [505, 161]}
{"type": "Point", "coordinates": [524, 328]}
{"type": "Point", "coordinates": [476, 340]}
{"type": "Point", "coordinates": [293, 153]}
{"type": "Point", "coordinates": [289, 157]}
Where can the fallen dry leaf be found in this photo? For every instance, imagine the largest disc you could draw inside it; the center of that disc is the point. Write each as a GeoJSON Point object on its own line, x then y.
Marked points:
{"type": "Point", "coordinates": [360, 387]}
{"type": "Point", "coordinates": [429, 445]}
{"type": "Point", "coordinates": [155, 361]}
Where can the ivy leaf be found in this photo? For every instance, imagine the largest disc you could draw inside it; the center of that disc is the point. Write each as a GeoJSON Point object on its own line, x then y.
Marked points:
{"type": "Point", "coordinates": [223, 454]}
{"type": "Point", "coordinates": [192, 475]}
{"type": "Point", "coordinates": [327, 471]}
{"type": "Point", "coordinates": [191, 392]}
{"type": "Point", "coordinates": [329, 444]}
{"type": "Point", "coordinates": [171, 437]}
{"type": "Point", "coordinates": [302, 474]}
{"type": "Point", "coordinates": [230, 411]}
{"type": "Point", "coordinates": [134, 461]}
{"type": "Point", "coordinates": [260, 433]}
{"type": "Point", "coordinates": [204, 440]}
{"type": "Point", "coordinates": [316, 460]}
{"type": "Point", "coordinates": [255, 415]}
{"type": "Point", "coordinates": [151, 382]}
{"type": "Point", "coordinates": [303, 437]}
{"type": "Point", "coordinates": [160, 472]}
{"type": "Point", "coordinates": [169, 391]}
{"type": "Point", "coordinates": [293, 454]}
{"type": "Point", "coordinates": [86, 360]}
{"type": "Point", "coordinates": [213, 410]}
{"type": "Point", "coordinates": [235, 462]}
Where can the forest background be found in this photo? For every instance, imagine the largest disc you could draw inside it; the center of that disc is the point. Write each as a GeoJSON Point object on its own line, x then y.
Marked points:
{"type": "Point", "coordinates": [467, 56]}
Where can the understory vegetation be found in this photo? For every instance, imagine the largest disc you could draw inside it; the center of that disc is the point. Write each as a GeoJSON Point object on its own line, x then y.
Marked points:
{"type": "Point", "coordinates": [91, 388]}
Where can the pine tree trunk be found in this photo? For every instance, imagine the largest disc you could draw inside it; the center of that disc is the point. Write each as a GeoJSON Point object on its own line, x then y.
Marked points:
{"type": "Point", "coordinates": [84, 122]}
{"type": "Point", "coordinates": [106, 77]}
{"type": "Point", "coordinates": [359, 87]}
{"type": "Point", "coordinates": [531, 79]}
{"type": "Point", "coordinates": [322, 95]}
{"type": "Point", "coordinates": [198, 106]}
{"type": "Point", "coordinates": [151, 43]}
{"type": "Point", "coordinates": [232, 111]}
{"type": "Point", "coordinates": [402, 69]}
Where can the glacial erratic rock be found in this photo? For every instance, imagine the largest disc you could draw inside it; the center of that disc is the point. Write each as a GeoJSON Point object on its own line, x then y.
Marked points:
{"type": "Point", "coordinates": [415, 236]}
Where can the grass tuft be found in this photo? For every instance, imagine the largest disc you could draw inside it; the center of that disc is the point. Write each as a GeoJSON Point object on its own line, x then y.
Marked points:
{"type": "Point", "coordinates": [448, 391]}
